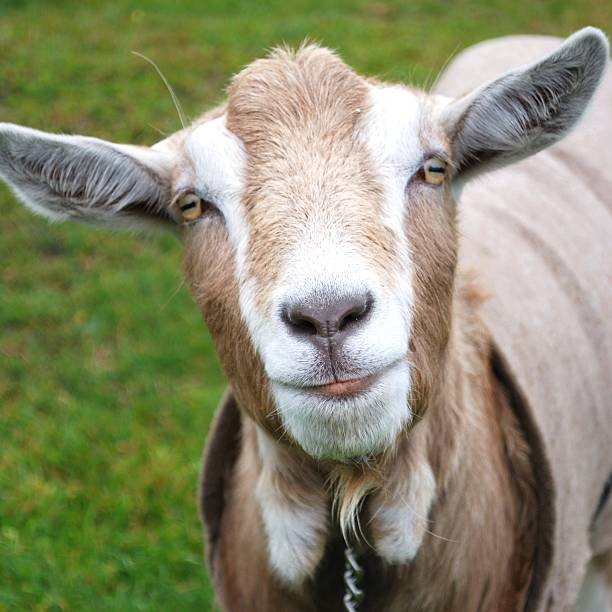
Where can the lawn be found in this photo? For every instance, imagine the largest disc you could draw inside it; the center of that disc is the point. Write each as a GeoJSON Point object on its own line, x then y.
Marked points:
{"type": "Point", "coordinates": [108, 378]}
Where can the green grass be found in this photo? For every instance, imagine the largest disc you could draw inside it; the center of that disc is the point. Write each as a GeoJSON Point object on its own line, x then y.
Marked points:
{"type": "Point", "coordinates": [108, 378]}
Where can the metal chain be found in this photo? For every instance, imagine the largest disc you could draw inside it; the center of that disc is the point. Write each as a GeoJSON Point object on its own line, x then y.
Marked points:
{"type": "Point", "coordinates": [353, 573]}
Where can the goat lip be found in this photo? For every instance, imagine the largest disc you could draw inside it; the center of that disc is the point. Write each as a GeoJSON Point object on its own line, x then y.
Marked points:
{"type": "Point", "coordinates": [343, 388]}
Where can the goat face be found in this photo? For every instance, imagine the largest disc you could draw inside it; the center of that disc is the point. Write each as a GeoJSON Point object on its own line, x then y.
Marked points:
{"type": "Point", "coordinates": [318, 171]}
{"type": "Point", "coordinates": [318, 222]}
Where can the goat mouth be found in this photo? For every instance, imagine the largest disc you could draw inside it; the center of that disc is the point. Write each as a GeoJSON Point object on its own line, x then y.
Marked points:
{"type": "Point", "coordinates": [344, 388]}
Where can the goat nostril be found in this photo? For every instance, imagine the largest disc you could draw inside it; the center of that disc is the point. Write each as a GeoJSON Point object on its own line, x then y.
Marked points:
{"type": "Point", "coordinates": [326, 320]}
{"type": "Point", "coordinates": [299, 321]}
{"type": "Point", "coordinates": [349, 318]}
{"type": "Point", "coordinates": [305, 326]}
{"type": "Point", "coordinates": [355, 314]}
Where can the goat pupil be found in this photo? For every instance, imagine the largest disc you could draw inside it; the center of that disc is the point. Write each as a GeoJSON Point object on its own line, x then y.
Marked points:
{"type": "Point", "coordinates": [188, 206]}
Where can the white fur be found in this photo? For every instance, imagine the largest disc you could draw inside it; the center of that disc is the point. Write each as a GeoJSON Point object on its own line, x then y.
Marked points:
{"type": "Point", "coordinates": [391, 130]}
{"type": "Point", "coordinates": [295, 528]}
{"type": "Point", "coordinates": [402, 520]}
{"type": "Point", "coordinates": [349, 428]}
{"type": "Point", "coordinates": [328, 264]}
{"type": "Point", "coordinates": [218, 162]}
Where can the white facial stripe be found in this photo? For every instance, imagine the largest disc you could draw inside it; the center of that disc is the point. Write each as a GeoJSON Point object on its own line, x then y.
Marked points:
{"type": "Point", "coordinates": [219, 161]}
{"type": "Point", "coordinates": [391, 129]}
{"type": "Point", "coordinates": [391, 132]}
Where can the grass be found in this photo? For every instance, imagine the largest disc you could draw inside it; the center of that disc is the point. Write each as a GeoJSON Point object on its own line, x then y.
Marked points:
{"type": "Point", "coordinates": [108, 379]}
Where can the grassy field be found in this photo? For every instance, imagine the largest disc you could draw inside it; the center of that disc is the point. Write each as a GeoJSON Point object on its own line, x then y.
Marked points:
{"type": "Point", "coordinates": [108, 379]}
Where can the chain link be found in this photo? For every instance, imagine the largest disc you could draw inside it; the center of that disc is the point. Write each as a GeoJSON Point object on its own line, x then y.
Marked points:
{"type": "Point", "coordinates": [353, 573]}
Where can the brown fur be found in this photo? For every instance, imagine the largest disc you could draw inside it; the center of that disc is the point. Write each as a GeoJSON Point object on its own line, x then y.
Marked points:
{"type": "Point", "coordinates": [214, 285]}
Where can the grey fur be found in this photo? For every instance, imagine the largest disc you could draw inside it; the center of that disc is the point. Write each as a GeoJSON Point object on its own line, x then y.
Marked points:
{"type": "Point", "coordinates": [86, 179]}
{"type": "Point", "coordinates": [527, 109]}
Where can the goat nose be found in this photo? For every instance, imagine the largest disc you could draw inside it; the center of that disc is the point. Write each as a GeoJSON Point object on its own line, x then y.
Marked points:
{"type": "Point", "coordinates": [327, 319]}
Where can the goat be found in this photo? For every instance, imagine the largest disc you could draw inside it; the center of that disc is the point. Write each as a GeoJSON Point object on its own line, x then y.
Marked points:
{"type": "Point", "coordinates": [427, 385]}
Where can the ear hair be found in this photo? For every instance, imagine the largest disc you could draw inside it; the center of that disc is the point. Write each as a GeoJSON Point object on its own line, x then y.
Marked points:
{"type": "Point", "coordinates": [86, 179]}
{"type": "Point", "coordinates": [527, 109]}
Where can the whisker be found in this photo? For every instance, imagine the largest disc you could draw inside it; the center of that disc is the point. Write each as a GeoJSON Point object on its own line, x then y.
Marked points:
{"type": "Point", "coordinates": [177, 104]}
{"type": "Point", "coordinates": [443, 68]}
{"type": "Point", "coordinates": [173, 294]}
{"type": "Point", "coordinates": [426, 520]}
{"type": "Point", "coordinates": [160, 132]}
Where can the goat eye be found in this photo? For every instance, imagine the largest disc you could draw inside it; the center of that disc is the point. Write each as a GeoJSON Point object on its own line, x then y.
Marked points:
{"type": "Point", "coordinates": [434, 170]}
{"type": "Point", "coordinates": [190, 206]}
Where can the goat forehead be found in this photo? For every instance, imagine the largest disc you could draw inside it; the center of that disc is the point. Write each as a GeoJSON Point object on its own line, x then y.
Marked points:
{"type": "Point", "coordinates": [309, 152]}
{"type": "Point", "coordinates": [310, 92]}
{"type": "Point", "coordinates": [310, 108]}
{"type": "Point", "coordinates": [301, 128]}
{"type": "Point", "coordinates": [217, 160]}
{"type": "Point", "coordinates": [395, 129]}
{"type": "Point", "coordinates": [388, 133]}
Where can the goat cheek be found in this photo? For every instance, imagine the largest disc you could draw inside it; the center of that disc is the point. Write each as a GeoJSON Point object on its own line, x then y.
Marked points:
{"type": "Point", "coordinates": [430, 227]}
{"type": "Point", "coordinates": [211, 273]}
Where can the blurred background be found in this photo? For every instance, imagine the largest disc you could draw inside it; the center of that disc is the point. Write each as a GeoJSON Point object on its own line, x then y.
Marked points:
{"type": "Point", "coordinates": [108, 378]}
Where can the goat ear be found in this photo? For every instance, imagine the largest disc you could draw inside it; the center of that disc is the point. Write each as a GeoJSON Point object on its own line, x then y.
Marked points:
{"type": "Point", "coordinates": [91, 180]}
{"type": "Point", "coordinates": [526, 109]}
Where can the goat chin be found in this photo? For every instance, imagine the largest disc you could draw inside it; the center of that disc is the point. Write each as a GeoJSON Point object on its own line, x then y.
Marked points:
{"type": "Point", "coordinates": [347, 428]}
